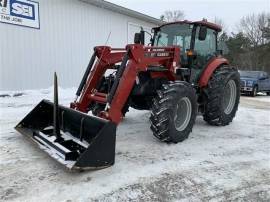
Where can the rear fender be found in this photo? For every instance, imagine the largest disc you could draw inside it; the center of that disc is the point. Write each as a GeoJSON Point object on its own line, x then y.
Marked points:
{"type": "Point", "coordinates": [210, 68]}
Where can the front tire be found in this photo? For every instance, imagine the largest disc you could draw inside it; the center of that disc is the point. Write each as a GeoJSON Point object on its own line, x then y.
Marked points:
{"type": "Point", "coordinates": [222, 97]}
{"type": "Point", "coordinates": [254, 91]}
{"type": "Point", "coordinates": [174, 112]}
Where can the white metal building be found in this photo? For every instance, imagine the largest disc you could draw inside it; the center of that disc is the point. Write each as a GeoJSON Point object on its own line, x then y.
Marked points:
{"type": "Point", "coordinates": [59, 35]}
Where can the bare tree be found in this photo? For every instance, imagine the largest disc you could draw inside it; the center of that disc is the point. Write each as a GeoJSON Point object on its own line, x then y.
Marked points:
{"type": "Point", "coordinates": [266, 31]}
{"type": "Point", "coordinates": [172, 16]}
{"type": "Point", "coordinates": [253, 25]}
{"type": "Point", "coordinates": [221, 23]}
{"type": "Point", "coordinates": [222, 36]}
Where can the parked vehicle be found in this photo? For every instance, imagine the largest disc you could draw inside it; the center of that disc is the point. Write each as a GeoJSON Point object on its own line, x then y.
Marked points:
{"type": "Point", "coordinates": [253, 82]}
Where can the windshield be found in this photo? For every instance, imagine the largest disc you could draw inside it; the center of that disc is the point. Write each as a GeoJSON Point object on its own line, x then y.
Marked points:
{"type": "Point", "coordinates": [250, 74]}
{"type": "Point", "coordinates": [174, 35]}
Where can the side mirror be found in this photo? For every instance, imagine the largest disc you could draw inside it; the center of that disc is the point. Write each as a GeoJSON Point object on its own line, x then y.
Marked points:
{"type": "Point", "coordinates": [139, 38]}
{"type": "Point", "coordinates": [202, 33]}
{"type": "Point", "coordinates": [263, 78]}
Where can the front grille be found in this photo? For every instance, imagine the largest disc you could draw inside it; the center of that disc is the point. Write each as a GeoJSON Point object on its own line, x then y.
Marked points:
{"type": "Point", "coordinates": [243, 83]}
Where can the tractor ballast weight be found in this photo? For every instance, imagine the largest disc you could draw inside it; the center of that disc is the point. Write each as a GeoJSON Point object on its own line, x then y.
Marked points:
{"type": "Point", "coordinates": [155, 77]}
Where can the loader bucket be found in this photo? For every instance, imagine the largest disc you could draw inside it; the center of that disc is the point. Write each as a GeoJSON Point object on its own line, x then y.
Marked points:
{"type": "Point", "coordinates": [85, 142]}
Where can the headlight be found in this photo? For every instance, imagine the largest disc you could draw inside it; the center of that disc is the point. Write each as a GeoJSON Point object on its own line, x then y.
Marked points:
{"type": "Point", "coordinates": [249, 83]}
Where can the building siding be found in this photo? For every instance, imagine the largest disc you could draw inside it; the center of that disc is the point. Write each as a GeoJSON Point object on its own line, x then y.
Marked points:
{"type": "Point", "coordinates": [69, 29]}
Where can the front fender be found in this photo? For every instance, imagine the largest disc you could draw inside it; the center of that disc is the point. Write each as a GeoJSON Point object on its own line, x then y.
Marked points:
{"type": "Point", "coordinates": [210, 68]}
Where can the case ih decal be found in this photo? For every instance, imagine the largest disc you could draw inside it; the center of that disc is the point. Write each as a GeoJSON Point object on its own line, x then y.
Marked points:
{"type": "Point", "coordinates": [20, 12]}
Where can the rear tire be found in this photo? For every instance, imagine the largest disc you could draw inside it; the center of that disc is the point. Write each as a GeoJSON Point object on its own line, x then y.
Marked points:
{"type": "Point", "coordinates": [222, 97]}
{"type": "Point", "coordinates": [174, 112]}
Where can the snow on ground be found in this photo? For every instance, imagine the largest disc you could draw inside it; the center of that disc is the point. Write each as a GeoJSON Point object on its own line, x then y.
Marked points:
{"type": "Point", "coordinates": [215, 163]}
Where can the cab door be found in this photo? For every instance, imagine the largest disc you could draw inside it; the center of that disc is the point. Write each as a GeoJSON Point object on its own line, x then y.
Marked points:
{"type": "Point", "coordinates": [204, 51]}
{"type": "Point", "coordinates": [264, 81]}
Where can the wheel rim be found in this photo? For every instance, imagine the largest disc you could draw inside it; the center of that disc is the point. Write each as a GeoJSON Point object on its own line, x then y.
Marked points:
{"type": "Point", "coordinates": [182, 114]}
{"type": "Point", "coordinates": [229, 97]}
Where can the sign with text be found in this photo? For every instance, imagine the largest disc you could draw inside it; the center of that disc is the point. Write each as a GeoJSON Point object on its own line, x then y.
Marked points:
{"type": "Point", "coordinates": [20, 12]}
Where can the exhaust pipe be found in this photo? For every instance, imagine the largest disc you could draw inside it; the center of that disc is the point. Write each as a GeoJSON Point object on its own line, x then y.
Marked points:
{"type": "Point", "coordinates": [75, 139]}
{"type": "Point", "coordinates": [56, 128]}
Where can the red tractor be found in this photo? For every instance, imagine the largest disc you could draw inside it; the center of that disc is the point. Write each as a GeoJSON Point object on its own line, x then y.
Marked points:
{"type": "Point", "coordinates": [180, 74]}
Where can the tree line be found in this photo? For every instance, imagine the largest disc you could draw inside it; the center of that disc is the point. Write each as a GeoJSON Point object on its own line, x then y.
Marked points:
{"type": "Point", "coordinates": [248, 46]}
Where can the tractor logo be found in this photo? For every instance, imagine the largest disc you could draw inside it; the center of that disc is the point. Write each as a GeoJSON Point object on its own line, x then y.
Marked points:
{"type": "Point", "coordinates": [20, 12]}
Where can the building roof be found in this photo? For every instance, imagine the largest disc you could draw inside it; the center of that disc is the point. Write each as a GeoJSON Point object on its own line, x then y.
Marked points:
{"type": "Point", "coordinates": [125, 11]}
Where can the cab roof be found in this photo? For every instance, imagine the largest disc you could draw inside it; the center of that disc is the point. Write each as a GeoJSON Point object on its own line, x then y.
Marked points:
{"type": "Point", "coordinates": [202, 22]}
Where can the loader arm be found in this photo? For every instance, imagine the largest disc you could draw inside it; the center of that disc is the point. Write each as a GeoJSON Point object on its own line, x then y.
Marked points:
{"type": "Point", "coordinates": [105, 60]}
{"type": "Point", "coordinates": [134, 59]}
{"type": "Point", "coordinates": [80, 141]}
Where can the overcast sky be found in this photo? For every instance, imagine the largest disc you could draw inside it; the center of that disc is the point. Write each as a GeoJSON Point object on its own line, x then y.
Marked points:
{"type": "Point", "coordinates": [228, 10]}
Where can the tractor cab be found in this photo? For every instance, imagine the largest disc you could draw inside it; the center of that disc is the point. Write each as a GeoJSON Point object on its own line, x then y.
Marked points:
{"type": "Point", "coordinates": [197, 42]}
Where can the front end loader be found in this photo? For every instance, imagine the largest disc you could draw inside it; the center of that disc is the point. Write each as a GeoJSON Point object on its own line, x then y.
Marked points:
{"type": "Point", "coordinates": [74, 139]}
{"type": "Point", "coordinates": [180, 74]}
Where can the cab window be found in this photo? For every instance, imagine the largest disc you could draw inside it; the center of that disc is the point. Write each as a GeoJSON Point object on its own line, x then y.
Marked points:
{"type": "Point", "coordinates": [206, 48]}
